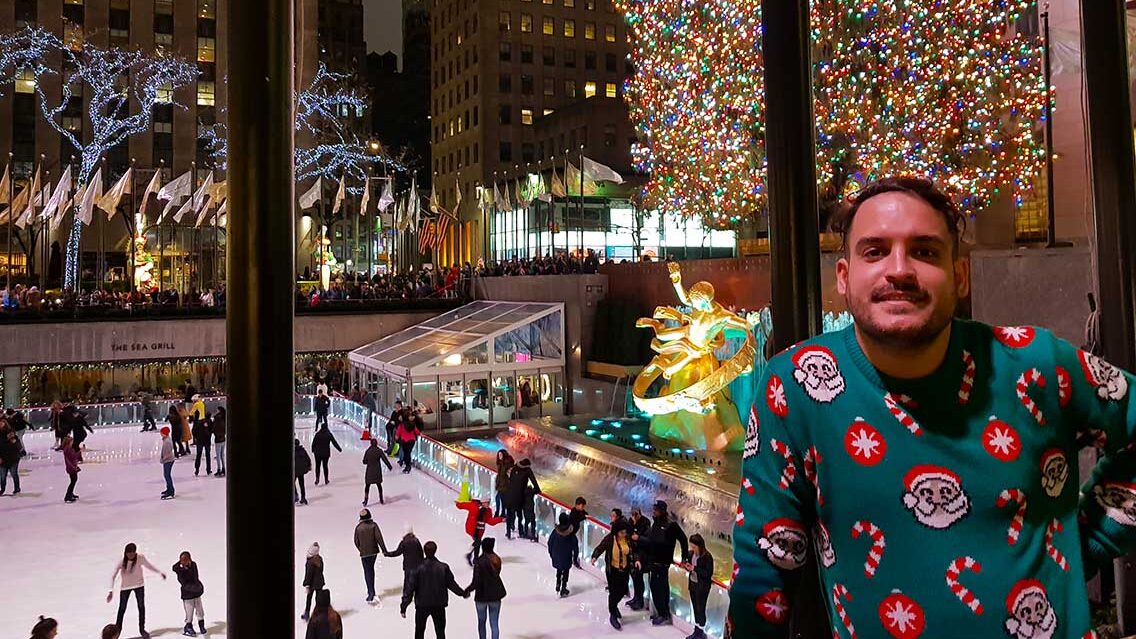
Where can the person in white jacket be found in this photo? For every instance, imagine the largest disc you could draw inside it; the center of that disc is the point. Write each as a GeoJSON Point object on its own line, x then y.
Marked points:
{"type": "Point", "coordinates": [128, 573]}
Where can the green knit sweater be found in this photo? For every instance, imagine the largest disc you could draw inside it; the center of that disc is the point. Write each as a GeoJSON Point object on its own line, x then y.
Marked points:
{"type": "Point", "coordinates": [945, 506]}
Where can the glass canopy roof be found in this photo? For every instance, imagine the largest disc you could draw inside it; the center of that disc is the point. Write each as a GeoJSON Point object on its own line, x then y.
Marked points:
{"type": "Point", "coordinates": [479, 336]}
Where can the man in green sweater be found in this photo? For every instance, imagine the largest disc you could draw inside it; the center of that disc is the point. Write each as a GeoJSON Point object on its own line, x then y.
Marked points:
{"type": "Point", "coordinates": [930, 462]}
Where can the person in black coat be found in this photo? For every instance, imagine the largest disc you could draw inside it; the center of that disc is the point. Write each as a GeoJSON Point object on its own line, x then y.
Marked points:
{"type": "Point", "coordinates": [219, 425]}
{"type": "Point", "coordinates": [638, 525]}
{"type": "Point", "coordinates": [701, 567]}
{"type": "Point", "coordinates": [410, 549]}
{"type": "Point", "coordinates": [520, 498]}
{"type": "Point", "coordinates": [397, 416]}
{"type": "Point", "coordinates": [563, 547]}
{"type": "Point", "coordinates": [174, 420]}
{"type": "Point", "coordinates": [487, 588]}
{"type": "Point", "coordinates": [303, 465]}
{"type": "Point", "coordinates": [430, 586]}
{"type": "Point", "coordinates": [77, 424]}
{"type": "Point", "coordinates": [322, 404]}
{"type": "Point", "coordinates": [10, 453]}
{"type": "Point", "coordinates": [325, 622]}
{"type": "Point", "coordinates": [201, 442]}
{"type": "Point", "coordinates": [322, 442]}
{"type": "Point", "coordinates": [373, 459]}
{"type": "Point", "coordinates": [191, 593]}
{"type": "Point", "coordinates": [658, 549]}
{"type": "Point", "coordinates": [619, 560]}
{"type": "Point", "coordinates": [313, 577]}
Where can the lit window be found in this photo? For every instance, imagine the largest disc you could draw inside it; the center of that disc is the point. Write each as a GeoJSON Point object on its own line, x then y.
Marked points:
{"type": "Point", "coordinates": [589, 30]}
{"type": "Point", "coordinates": [206, 93]}
{"type": "Point", "coordinates": [163, 127]}
{"type": "Point", "coordinates": [609, 32]}
{"type": "Point", "coordinates": [589, 89]}
{"type": "Point", "coordinates": [503, 21]}
{"type": "Point", "coordinates": [207, 9]}
{"type": "Point", "coordinates": [570, 88]}
{"type": "Point", "coordinates": [165, 94]}
{"type": "Point", "coordinates": [73, 35]}
{"type": "Point", "coordinates": [164, 39]}
{"type": "Point", "coordinates": [548, 112]}
{"type": "Point", "coordinates": [550, 86]}
{"type": "Point", "coordinates": [164, 7]}
{"type": "Point", "coordinates": [569, 3]}
{"type": "Point", "coordinates": [526, 23]}
{"type": "Point", "coordinates": [526, 116]}
{"type": "Point", "coordinates": [25, 81]}
{"type": "Point", "coordinates": [549, 27]}
{"type": "Point", "coordinates": [548, 2]}
{"type": "Point", "coordinates": [206, 49]}
{"type": "Point", "coordinates": [569, 28]}
{"type": "Point", "coordinates": [72, 124]}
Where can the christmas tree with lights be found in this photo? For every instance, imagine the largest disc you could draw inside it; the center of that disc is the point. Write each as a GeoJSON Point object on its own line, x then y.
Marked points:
{"type": "Point", "coordinates": [948, 89]}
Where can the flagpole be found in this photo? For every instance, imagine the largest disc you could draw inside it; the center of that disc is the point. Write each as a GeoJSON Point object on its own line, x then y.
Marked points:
{"type": "Point", "coordinates": [43, 232]}
{"type": "Point", "coordinates": [101, 265]}
{"type": "Point", "coordinates": [161, 240]}
{"type": "Point", "coordinates": [71, 202]}
{"type": "Point", "coordinates": [132, 228]}
{"type": "Point", "coordinates": [581, 201]}
{"type": "Point", "coordinates": [11, 187]}
{"type": "Point", "coordinates": [217, 243]}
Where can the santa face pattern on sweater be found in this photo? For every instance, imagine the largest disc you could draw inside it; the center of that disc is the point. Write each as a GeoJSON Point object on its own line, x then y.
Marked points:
{"type": "Point", "coordinates": [949, 492]}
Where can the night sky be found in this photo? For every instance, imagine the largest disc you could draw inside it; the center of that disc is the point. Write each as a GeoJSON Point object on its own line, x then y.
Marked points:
{"type": "Point", "coordinates": [382, 27]}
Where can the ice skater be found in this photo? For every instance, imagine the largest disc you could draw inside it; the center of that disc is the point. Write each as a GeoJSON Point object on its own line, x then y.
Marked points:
{"type": "Point", "coordinates": [397, 417]}
{"type": "Point", "coordinates": [11, 451]}
{"type": "Point", "coordinates": [410, 549]}
{"type": "Point", "coordinates": [167, 459]}
{"type": "Point", "coordinates": [173, 418]}
{"type": "Point", "coordinates": [521, 497]}
{"type": "Point", "coordinates": [478, 516]}
{"type": "Point", "coordinates": [202, 438]}
{"type": "Point", "coordinates": [71, 464]}
{"type": "Point", "coordinates": [303, 465]}
{"type": "Point", "coordinates": [132, 581]}
{"type": "Point", "coordinates": [562, 548]}
{"type": "Point", "coordinates": [219, 440]}
{"type": "Point", "coordinates": [430, 586]}
{"type": "Point", "coordinates": [322, 442]}
{"type": "Point", "coordinates": [147, 402]}
{"type": "Point", "coordinates": [326, 622]}
{"type": "Point", "coordinates": [701, 567]}
{"type": "Point", "coordinates": [487, 588]}
{"type": "Point", "coordinates": [369, 541]}
{"type": "Point", "coordinates": [374, 459]}
{"type": "Point", "coordinates": [313, 577]}
{"type": "Point", "coordinates": [618, 561]}
{"type": "Point", "coordinates": [407, 436]}
{"type": "Point", "coordinates": [45, 628]}
{"type": "Point", "coordinates": [191, 592]}
{"type": "Point", "coordinates": [322, 404]}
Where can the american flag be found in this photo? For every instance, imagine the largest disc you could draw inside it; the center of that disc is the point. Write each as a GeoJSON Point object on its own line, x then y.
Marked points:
{"type": "Point", "coordinates": [440, 230]}
{"type": "Point", "coordinates": [425, 236]}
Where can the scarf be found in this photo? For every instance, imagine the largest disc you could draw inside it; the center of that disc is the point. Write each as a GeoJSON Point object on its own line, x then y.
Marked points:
{"type": "Point", "coordinates": [619, 551]}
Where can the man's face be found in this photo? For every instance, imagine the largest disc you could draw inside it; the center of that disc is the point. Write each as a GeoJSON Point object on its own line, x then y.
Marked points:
{"type": "Point", "coordinates": [900, 278]}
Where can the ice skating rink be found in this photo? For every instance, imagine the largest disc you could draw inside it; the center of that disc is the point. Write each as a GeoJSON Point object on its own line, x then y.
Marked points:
{"type": "Point", "coordinates": [58, 558]}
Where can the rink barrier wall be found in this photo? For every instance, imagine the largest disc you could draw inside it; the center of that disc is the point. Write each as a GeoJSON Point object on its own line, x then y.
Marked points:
{"type": "Point", "coordinates": [444, 464]}
{"type": "Point", "coordinates": [452, 468]}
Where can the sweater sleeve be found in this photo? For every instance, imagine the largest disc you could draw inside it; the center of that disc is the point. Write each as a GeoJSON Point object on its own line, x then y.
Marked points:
{"type": "Point", "coordinates": [114, 575]}
{"type": "Point", "coordinates": [771, 497]}
{"type": "Point", "coordinates": [145, 563]}
{"type": "Point", "coordinates": [1096, 400]}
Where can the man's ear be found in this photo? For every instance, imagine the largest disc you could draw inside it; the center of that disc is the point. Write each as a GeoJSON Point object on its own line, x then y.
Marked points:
{"type": "Point", "coordinates": [842, 276]}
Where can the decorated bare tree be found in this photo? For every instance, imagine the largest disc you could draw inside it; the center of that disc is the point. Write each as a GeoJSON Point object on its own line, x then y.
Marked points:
{"type": "Point", "coordinates": [118, 88]}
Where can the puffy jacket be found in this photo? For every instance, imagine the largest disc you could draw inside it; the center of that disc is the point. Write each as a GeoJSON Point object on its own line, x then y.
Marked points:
{"type": "Point", "coordinates": [187, 577]}
{"type": "Point", "coordinates": [411, 551]}
{"type": "Point", "coordinates": [369, 539]}
{"type": "Point", "coordinates": [487, 584]}
{"type": "Point", "coordinates": [430, 586]}
{"type": "Point", "coordinates": [303, 461]}
{"type": "Point", "coordinates": [313, 573]}
{"type": "Point", "coordinates": [322, 442]}
{"type": "Point", "coordinates": [374, 459]}
{"type": "Point", "coordinates": [522, 484]}
{"type": "Point", "coordinates": [476, 519]}
{"type": "Point", "coordinates": [562, 547]}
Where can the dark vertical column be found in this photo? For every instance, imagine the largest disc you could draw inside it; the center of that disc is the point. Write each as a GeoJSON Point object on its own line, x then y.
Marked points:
{"type": "Point", "coordinates": [794, 243]}
{"type": "Point", "coordinates": [259, 328]}
{"type": "Point", "coordinates": [1114, 200]}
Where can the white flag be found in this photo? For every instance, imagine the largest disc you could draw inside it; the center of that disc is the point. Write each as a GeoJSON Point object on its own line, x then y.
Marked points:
{"type": "Point", "coordinates": [152, 188]}
{"type": "Point", "coordinates": [309, 199]}
{"type": "Point", "coordinates": [340, 195]}
{"type": "Point", "coordinates": [414, 204]}
{"type": "Point", "coordinates": [433, 198]}
{"type": "Point", "coordinates": [595, 171]}
{"type": "Point", "coordinates": [91, 194]}
{"type": "Point", "coordinates": [178, 188]}
{"type": "Point", "coordinates": [57, 204]}
{"type": "Point", "coordinates": [386, 199]}
{"type": "Point", "coordinates": [203, 213]}
{"type": "Point", "coordinates": [196, 203]}
{"type": "Point", "coordinates": [498, 203]}
{"type": "Point", "coordinates": [366, 199]}
{"type": "Point", "coordinates": [113, 197]}
{"type": "Point", "coordinates": [6, 188]}
{"type": "Point", "coordinates": [27, 200]}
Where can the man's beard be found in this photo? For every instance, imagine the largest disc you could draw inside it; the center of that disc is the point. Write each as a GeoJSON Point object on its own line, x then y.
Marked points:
{"type": "Point", "coordinates": [906, 338]}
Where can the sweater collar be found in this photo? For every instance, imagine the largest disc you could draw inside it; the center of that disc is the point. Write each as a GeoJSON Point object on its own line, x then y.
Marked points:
{"type": "Point", "coordinates": [945, 377]}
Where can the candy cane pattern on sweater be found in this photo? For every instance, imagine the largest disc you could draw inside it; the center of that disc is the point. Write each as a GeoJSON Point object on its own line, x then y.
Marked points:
{"type": "Point", "coordinates": [790, 472]}
{"type": "Point", "coordinates": [812, 459]}
{"type": "Point", "coordinates": [962, 592]}
{"type": "Point", "coordinates": [1027, 379]}
{"type": "Point", "coordinates": [908, 422]}
{"type": "Point", "coordinates": [747, 485]}
{"type": "Point", "coordinates": [839, 591]}
{"type": "Point", "coordinates": [876, 553]}
{"type": "Point", "coordinates": [1008, 496]}
{"type": "Point", "coordinates": [1050, 549]}
{"type": "Point", "coordinates": [967, 378]}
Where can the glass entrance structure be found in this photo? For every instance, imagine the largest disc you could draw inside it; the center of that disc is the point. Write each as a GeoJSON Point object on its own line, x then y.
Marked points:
{"type": "Point", "coordinates": [479, 365]}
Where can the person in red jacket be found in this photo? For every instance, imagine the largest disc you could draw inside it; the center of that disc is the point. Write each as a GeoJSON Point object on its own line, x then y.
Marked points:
{"type": "Point", "coordinates": [478, 515]}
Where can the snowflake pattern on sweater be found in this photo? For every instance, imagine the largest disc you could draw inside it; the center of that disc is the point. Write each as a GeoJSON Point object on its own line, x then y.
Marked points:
{"type": "Point", "coordinates": [950, 503]}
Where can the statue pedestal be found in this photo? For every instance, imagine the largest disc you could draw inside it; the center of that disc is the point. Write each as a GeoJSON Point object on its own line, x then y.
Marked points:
{"type": "Point", "coordinates": [720, 430]}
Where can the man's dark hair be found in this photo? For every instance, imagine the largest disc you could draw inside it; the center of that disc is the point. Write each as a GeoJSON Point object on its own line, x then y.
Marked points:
{"type": "Point", "coordinates": [921, 188]}
{"type": "Point", "coordinates": [430, 549]}
{"type": "Point", "coordinates": [618, 512]}
{"type": "Point", "coordinates": [580, 501]}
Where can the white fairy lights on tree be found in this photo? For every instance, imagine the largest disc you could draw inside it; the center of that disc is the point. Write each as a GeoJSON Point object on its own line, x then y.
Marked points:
{"type": "Point", "coordinates": [106, 80]}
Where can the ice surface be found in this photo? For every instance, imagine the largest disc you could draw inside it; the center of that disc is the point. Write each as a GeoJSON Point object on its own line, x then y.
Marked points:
{"type": "Point", "coordinates": [58, 558]}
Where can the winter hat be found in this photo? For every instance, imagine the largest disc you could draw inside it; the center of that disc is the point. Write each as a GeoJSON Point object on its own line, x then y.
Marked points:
{"type": "Point", "coordinates": [314, 549]}
{"type": "Point", "coordinates": [924, 472]}
{"type": "Point", "coordinates": [525, 463]}
{"type": "Point", "coordinates": [364, 515]}
{"type": "Point", "coordinates": [488, 544]}
{"type": "Point", "coordinates": [782, 525]}
{"type": "Point", "coordinates": [661, 505]}
{"type": "Point", "coordinates": [1020, 590]}
{"type": "Point", "coordinates": [323, 598]}
{"type": "Point", "coordinates": [196, 397]}
{"type": "Point", "coordinates": [165, 431]}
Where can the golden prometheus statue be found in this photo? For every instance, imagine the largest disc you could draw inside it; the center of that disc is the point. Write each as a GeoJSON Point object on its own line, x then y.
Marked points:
{"type": "Point", "coordinates": [694, 404]}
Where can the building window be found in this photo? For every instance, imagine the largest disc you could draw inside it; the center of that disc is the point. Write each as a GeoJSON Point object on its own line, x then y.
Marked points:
{"type": "Point", "coordinates": [526, 54]}
{"type": "Point", "coordinates": [528, 153]}
{"type": "Point", "coordinates": [206, 93]}
{"type": "Point", "coordinates": [569, 58]}
{"type": "Point", "coordinates": [505, 53]}
{"type": "Point", "coordinates": [503, 21]}
{"type": "Point", "coordinates": [26, 11]}
{"type": "Point", "coordinates": [548, 112]}
{"type": "Point", "coordinates": [609, 32]}
{"type": "Point", "coordinates": [590, 60]}
{"type": "Point", "coordinates": [589, 89]}
{"type": "Point", "coordinates": [119, 24]}
{"type": "Point", "coordinates": [526, 85]}
{"type": "Point", "coordinates": [549, 86]}
{"type": "Point", "coordinates": [609, 135]}
{"type": "Point", "coordinates": [610, 63]}
{"type": "Point", "coordinates": [526, 23]}
{"type": "Point", "coordinates": [475, 118]}
{"type": "Point", "coordinates": [569, 28]}
{"type": "Point", "coordinates": [164, 7]}
{"type": "Point", "coordinates": [610, 90]}
{"type": "Point", "coordinates": [165, 94]}
{"type": "Point", "coordinates": [549, 56]}
{"type": "Point", "coordinates": [207, 9]}
{"type": "Point", "coordinates": [206, 49]}
{"type": "Point", "coordinates": [505, 83]}
{"type": "Point", "coordinates": [589, 30]}
{"type": "Point", "coordinates": [25, 81]}
{"type": "Point", "coordinates": [548, 2]}
{"type": "Point", "coordinates": [526, 116]}
{"type": "Point", "coordinates": [505, 114]}
{"type": "Point", "coordinates": [590, 5]}
{"type": "Point", "coordinates": [570, 89]}
{"type": "Point", "coordinates": [505, 152]}
{"type": "Point", "coordinates": [548, 26]}
{"type": "Point", "coordinates": [569, 3]}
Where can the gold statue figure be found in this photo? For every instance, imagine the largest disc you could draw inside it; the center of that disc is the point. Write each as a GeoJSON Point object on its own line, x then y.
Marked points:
{"type": "Point", "coordinates": [695, 405]}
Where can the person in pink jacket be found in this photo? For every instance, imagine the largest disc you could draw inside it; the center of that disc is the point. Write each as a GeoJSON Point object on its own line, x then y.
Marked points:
{"type": "Point", "coordinates": [129, 574]}
{"type": "Point", "coordinates": [71, 463]}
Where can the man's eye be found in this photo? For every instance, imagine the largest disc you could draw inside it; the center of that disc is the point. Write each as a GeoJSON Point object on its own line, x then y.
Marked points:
{"type": "Point", "coordinates": [872, 253]}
